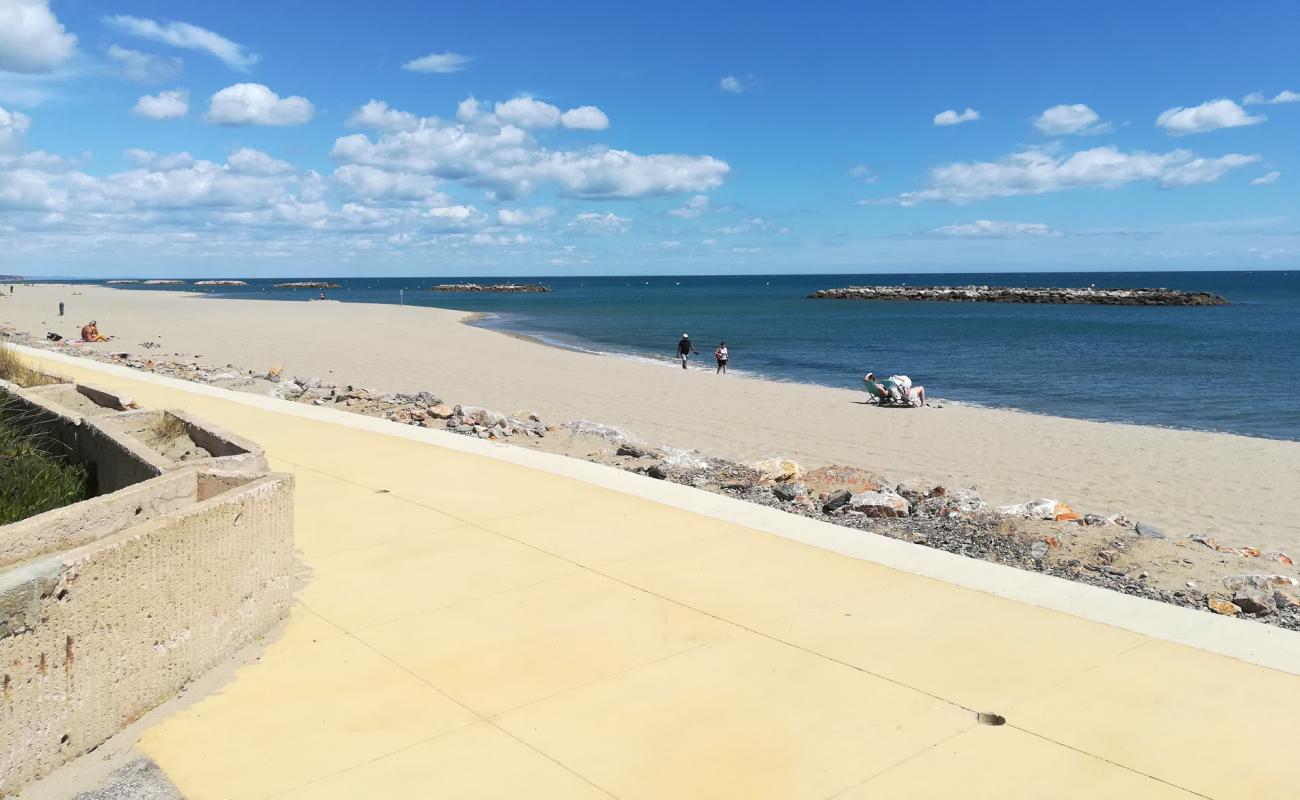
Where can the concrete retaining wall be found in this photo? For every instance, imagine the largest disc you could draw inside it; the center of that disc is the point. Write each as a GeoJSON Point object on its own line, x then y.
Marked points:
{"type": "Point", "coordinates": [95, 636]}
{"type": "Point", "coordinates": [109, 606]}
{"type": "Point", "coordinates": [115, 461]}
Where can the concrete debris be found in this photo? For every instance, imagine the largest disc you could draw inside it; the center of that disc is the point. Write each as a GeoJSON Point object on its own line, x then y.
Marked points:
{"type": "Point", "coordinates": [1148, 531]}
{"type": "Point", "coordinates": [885, 503]}
{"type": "Point", "coordinates": [582, 427]}
{"type": "Point", "coordinates": [1041, 509]}
{"type": "Point", "coordinates": [838, 476]}
{"type": "Point", "coordinates": [1259, 581]}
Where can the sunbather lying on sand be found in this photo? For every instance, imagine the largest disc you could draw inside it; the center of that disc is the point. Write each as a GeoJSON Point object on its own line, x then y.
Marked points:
{"type": "Point", "coordinates": [896, 389]}
{"type": "Point", "coordinates": [90, 333]}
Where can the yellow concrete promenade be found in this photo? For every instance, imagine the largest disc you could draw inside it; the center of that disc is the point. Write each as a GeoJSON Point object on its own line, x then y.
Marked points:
{"type": "Point", "coordinates": [471, 628]}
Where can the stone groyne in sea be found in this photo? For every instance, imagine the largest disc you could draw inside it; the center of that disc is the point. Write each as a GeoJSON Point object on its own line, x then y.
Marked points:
{"type": "Point", "coordinates": [501, 288]}
{"type": "Point", "coordinates": [1011, 294]}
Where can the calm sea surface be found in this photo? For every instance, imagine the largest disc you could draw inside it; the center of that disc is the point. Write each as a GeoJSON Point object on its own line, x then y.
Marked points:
{"type": "Point", "coordinates": [1230, 368]}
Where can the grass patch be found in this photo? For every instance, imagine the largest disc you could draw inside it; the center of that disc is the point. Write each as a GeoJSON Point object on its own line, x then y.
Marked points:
{"type": "Point", "coordinates": [166, 430]}
{"type": "Point", "coordinates": [16, 371]}
{"type": "Point", "coordinates": [33, 477]}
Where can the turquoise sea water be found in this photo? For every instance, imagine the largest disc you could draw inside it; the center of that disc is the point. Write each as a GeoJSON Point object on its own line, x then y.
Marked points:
{"type": "Point", "coordinates": [1231, 368]}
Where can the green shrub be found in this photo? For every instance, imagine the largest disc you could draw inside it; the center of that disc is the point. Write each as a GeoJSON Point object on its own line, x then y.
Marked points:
{"type": "Point", "coordinates": [34, 478]}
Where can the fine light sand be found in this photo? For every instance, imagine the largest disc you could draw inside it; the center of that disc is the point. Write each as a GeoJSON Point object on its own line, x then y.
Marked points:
{"type": "Point", "coordinates": [1239, 489]}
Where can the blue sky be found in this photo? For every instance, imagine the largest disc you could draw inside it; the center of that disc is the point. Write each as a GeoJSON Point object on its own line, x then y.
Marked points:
{"type": "Point", "coordinates": [296, 138]}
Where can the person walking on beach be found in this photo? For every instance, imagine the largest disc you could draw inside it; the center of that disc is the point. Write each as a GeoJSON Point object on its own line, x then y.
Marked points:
{"type": "Point", "coordinates": [60, 308]}
{"type": "Point", "coordinates": [685, 348]}
{"type": "Point", "coordinates": [722, 355]}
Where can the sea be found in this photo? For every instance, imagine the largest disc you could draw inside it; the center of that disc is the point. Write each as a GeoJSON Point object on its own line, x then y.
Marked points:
{"type": "Point", "coordinates": [1227, 368]}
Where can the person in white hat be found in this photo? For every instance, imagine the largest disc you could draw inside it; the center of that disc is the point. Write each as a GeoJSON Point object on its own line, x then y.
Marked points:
{"type": "Point", "coordinates": [685, 348]}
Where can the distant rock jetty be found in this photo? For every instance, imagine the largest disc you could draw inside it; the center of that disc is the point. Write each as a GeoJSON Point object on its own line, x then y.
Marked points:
{"type": "Point", "coordinates": [221, 283]}
{"type": "Point", "coordinates": [307, 285]}
{"type": "Point", "coordinates": [121, 281]}
{"type": "Point", "coordinates": [164, 282]}
{"type": "Point", "coordinates": [504, 288]}
{"type": "Point", "coordinates": [1009, 294]}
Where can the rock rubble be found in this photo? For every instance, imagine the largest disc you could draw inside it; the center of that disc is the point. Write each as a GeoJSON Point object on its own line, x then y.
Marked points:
{"type": "Point", "coordinates": [1044, 535]}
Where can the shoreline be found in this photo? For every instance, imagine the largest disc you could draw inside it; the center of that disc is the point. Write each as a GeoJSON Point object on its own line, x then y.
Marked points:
{"type": "Point", "coordinates": [1173, 476]}
{"type": "Point", "coordinates": [472, 319]}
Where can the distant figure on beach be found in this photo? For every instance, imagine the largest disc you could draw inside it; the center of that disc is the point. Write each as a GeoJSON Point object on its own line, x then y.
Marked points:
{"type": "Point", "coordinates": [685, 348]}
{"type": "Point", "coordinates": [894, 390]}
{"type": "Point", "coordinates": [90, 333]}
{"type": "Point", "coordinates": [322, 295]}
{"type": "Point", "coordinates": [60, 308]}
{"type": "Point", "coordinates": [722, 355]}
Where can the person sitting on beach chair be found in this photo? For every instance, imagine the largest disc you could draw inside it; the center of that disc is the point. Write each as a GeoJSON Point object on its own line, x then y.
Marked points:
{"type": "Point", "coordinates": [896, 390]}
{"type": "Point", "coordinates": [90, 333]}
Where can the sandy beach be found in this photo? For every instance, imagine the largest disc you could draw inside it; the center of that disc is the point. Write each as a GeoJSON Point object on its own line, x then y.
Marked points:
{"type": "Point", "coordinates": [1237, 489]}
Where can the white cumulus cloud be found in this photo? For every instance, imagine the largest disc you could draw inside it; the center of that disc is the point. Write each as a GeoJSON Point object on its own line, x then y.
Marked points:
{"type": "Point", "coordinates": [527, 112]}
{"type": "Point", "coordinates": [1258, 98]}
{"type": "Point", "coordinates": [31, 38]}
{"type": "Point", "coordinates": [440, 63]}
{"type": "Point", "coordinates": [171, 104]}
{"type": "Point", "coordinates": [1069, 120]}
{"type": "Point", "coordinates": [991, 229]}
{"type": "Point", "coordinates": [496, 151]}
{"type": "Point", "coordinates": [951, 117]}
{"type": "Point", "coordinates": [248, 161]}
{"type": "Point", "coordinates": [599, 223]}
{"type": "Point", "coordinates": [148, 158]}
{"type": "Point", "coordinates": [13, 124]}
{"type": "Point", "coordinates": [374, 184]}
{"type": "Point", "coordinates": [456, 217]}
{"type": "Point", "coordinates": [1032, 172]}
{"type": "Point", "coordinates": [377, 115]}
{"type": "Point", "coordinates": [1265, 180]}
{"type": "Point", "coordinates": [1209, 116]}
{"type": "Point", "coordinates": [732, 84]}
{"type": "Point", "coordinates": [255, 104]}
{"type": "Point", "coordinates": [585, 118]}
{"type": "Point", "coordinates": [525, 216]}
{"type": "Point", "coordinates": [185, 36]}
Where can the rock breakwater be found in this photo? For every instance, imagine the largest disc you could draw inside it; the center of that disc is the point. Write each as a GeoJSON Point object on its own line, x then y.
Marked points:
{"type": "Point", "coordinates": [502, 288]}
{"type": "Point", "coordinates": [307, 285]}
{"type": "Point", "coordinates": [1012, 294]}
